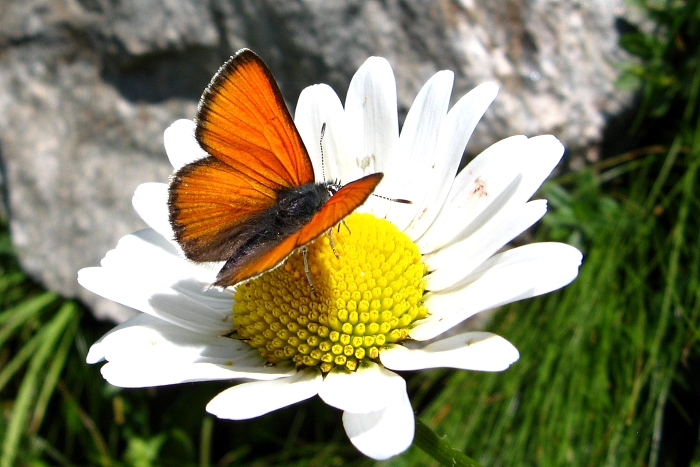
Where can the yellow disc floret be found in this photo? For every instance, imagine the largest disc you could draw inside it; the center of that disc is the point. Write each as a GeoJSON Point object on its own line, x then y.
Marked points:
{"type": "Point", "coordinates": [366, 297]}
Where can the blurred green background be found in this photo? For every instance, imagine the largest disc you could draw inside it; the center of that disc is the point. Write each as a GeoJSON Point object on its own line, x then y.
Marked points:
{"type": "Point", "coordinates": [609, 373]}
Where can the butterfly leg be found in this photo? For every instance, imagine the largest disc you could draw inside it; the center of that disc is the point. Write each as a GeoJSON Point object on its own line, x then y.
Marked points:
{"type": "Point", "coordinates": [346, 226]}
{"type": "Point", "coordinates": [332, 242]}
{"type": "Point", "coordinates": [305, 253]}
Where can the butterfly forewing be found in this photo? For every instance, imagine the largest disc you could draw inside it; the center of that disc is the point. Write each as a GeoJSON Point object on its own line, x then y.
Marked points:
{"type": "Point", "coordinates": [258, 263]}
{"type": "Point", "coordinates": [243, 121]}
{"type": "Point", "coordinates": [339, 206]}
{"type": "Point", "coordinates": [244, 124]}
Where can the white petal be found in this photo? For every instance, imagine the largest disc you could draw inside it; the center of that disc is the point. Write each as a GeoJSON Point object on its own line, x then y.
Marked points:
{"type": "Point", "coordinates": [508, 173]}
{"type": "Point", "coordinates": [317, 105]}
{"type": "Point", "coordinates": [97, 352]}
{"type": "Point", "coordinates": [146, 351]}
{"type": "Point", "coordinates": [372, 123]}
{"type": "Point", "coordinates": [368, 389]}
{"type": "Point", "coordinates": [181, 145]}
{"type": "Point", "coordinates": [477, 351]}
{"type": "Point", "coordinates": [454, 262]}
{"type": "Point", "coordinates": [149, 339]}
{"type": "Point", "coordinates": [409, 173]}
{"type": "Point", "coordinates": [455, 131]}
{"type": "Point", "coordinates": [483, 181]}
{"type": "Point", "coordinates": [147, 374]}
{"type": "Point", "coordinates": [384, 433]}
{"type": "Point", "coordinates": [151, 204]}
{"type": "Point", "coordinates": [542, 154]}
{"type": "Point", "coordinates": [510, 276]}
{"type": "Point", "coordinates": [154, 256]}
{"type": "Point", "coordinates": [158, 300]}
{"type": "Point", "coordinates": [249, 400]}
{"type": "Point", "coordinates": [144, 273]}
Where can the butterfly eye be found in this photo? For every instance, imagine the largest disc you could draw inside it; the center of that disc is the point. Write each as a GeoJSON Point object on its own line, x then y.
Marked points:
{"type": "Point", "coordinates": [333, 187]}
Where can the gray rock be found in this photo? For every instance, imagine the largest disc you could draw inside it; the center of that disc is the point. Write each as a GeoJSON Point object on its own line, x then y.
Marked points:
{"type": "Point", "coordinates": [88, 86]}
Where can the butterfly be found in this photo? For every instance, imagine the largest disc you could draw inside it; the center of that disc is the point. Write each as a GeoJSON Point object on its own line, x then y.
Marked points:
{"type": "Point", "coordinates": [254, 199]}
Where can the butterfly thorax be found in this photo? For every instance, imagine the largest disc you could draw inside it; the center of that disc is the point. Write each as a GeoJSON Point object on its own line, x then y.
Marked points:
{"type": "Point", "coordinates": [297, 205]}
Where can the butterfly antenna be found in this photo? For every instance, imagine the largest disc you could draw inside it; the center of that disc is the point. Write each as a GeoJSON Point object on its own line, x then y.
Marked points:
{"type": "Point", "coordinates": [323, 172]}
{"type": "Point", "coordinates": [395, 200]}
{"type": "Point", "coordinates": [323, 158]}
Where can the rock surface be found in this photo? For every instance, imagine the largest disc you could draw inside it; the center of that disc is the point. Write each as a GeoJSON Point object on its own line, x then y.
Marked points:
{"type": "Point", "coordinates": [88, 86]}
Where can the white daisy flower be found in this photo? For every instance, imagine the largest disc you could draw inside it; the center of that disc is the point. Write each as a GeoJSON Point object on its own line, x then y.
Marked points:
{"type": "Point", "coordinates": [404, 272]}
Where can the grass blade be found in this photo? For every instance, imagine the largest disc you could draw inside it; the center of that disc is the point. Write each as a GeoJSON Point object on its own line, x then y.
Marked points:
{"type": "Point", "coordinates": [27, 391]}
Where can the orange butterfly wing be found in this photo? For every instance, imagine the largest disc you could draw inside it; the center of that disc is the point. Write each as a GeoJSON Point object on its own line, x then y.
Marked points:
{"type": "Point", "coordinates": [340, 205]}
{"type": "Point", "coordinates": [243, 122]}
{"type": "Point", "coordinates": [210, 203]}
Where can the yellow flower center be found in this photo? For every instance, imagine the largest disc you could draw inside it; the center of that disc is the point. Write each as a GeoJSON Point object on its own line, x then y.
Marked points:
{"type": "Point", "coordinates": [364, 299]}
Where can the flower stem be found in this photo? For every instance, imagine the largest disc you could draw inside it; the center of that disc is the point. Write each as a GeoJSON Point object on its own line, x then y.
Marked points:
{"type": "Point", "coordinates": [437, 448]}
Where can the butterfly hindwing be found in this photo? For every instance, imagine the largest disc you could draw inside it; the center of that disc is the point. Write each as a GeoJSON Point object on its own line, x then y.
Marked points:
{"type": "Point", "coordinates": [211, 204]}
